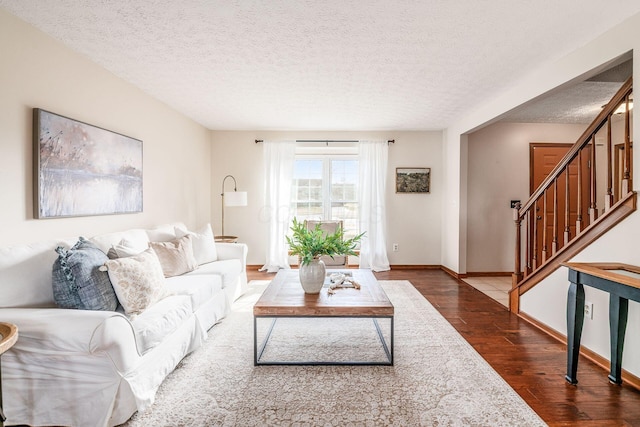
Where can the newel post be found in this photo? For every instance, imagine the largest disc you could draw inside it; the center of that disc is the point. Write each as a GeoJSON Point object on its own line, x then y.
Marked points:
{"type": "Point", "coordinates": [517, 271]}
{"type": "Point", "coordinates": [514, 294]}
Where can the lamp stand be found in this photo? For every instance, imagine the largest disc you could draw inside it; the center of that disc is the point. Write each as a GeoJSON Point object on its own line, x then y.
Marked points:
{"type": "Point", "coordinates": [230, 198]}
{"type": "Point", "coordinates": [222, 195]}
{"type": "Point", "coordinates": [222, 211]}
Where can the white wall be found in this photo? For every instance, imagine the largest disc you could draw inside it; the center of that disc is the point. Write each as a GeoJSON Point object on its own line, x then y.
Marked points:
{"type": "Point", "coordinates": [612, 44]}
{"type": "Point", "coordinates": [36, 71]}
{"type": "Point", "coordinates": [413, 219]}
{"type": "Point", "coordinates": [547, 301]}
{"type": "Point", "coordinates": [454, 201]}
{"type": "Point", "coordinates": [498, 172]}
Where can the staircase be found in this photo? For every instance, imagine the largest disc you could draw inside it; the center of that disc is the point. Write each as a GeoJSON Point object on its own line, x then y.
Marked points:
{"type": "Point", "coordinates": [600, 162]}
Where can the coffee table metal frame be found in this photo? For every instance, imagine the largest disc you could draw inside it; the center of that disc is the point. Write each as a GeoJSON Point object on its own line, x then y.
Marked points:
{"type": "Point", "coordinates": [258, 350]}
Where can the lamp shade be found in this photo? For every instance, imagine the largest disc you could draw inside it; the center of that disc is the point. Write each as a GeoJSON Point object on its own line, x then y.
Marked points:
{"type": "Point", "coordinates": [235, 198]}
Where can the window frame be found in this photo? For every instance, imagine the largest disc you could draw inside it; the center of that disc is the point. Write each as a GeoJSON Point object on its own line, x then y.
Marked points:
{"type": "Point", "coordinates": [327, 159]}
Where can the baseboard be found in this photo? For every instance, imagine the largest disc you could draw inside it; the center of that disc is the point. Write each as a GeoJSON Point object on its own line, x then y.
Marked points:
{"type": "Point", "coordinates": [421, 267]}
{"type": "Point", "coordinates": [457, 276]}
{"type": "Point", "coordinates": [394, 266]}
{"type": "Point", "coordinates": [258, 267]}
{"type": "Point", "coordinates": [451, 273]}
{"type": "Point", "coordinates": [487, 274]}
{"type": "Point", "coordinates": [414, 267]}
{"type": "Point", "coordinates": [627, 377]}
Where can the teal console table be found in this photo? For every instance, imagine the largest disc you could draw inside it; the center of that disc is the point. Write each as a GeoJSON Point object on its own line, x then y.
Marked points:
{"type": "Point", "coordinates": [622, 282]}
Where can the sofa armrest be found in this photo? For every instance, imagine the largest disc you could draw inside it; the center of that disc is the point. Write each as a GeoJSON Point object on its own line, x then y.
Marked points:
{"type": "Point", "coordinates": [66, 331]}
{"type": "Point", "coordinates": [233, 251]}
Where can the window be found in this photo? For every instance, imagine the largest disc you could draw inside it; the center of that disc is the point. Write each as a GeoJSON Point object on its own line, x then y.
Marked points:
{"type": "Point", "coordinates": [326, 188]}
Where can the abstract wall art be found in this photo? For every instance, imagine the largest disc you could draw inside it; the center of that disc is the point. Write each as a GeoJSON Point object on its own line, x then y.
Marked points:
{"type": "Point", "coordinates": [82, 170]}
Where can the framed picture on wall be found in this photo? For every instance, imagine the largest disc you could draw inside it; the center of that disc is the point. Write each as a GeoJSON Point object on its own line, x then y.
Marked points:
{"type": "Point", "coordinates": [82, 170]}
{"type": "Point", "coordinates": [413, 180]}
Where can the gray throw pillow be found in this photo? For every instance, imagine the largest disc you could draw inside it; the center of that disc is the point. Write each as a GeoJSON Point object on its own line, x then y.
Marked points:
{"type": "Point", "coordinates": [77, 281]}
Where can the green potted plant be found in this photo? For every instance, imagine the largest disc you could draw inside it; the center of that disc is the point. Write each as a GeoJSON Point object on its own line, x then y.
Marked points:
{"type": "Point", "coordinates": [310, 245]}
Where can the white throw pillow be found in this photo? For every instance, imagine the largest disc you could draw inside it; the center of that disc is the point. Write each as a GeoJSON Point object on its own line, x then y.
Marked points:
{"type": "Point", "coordinates": [202, 240]}
{"type": "Point", "coordinates": [162, 233]}
{"type": "Point", "coordinates": [138, 281]}
{"type": "Point", "coordinates": [136, 237]}
{"type": "Point", "coordinates": [124, 249]}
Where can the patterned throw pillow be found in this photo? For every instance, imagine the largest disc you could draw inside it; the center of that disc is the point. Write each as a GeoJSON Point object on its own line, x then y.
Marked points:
{"type": "Point", "coordinates": [77, 280]}
{"type": "Point", "coordinates": [176, 256]}
{"type": "Point", "coordinates": [138, 281]}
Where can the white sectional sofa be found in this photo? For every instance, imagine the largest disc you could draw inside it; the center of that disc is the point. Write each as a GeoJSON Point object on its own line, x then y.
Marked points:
{"type": "Point", "coordinates": [74, 367]}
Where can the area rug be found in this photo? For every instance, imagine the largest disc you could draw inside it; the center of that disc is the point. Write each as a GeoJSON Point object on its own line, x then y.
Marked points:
{"type": "Point", "coordinates": [437, 379]}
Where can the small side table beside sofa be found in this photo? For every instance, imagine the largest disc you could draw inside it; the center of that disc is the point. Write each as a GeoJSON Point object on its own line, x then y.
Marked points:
{"type": "Point", "coordinates": [226, 239]}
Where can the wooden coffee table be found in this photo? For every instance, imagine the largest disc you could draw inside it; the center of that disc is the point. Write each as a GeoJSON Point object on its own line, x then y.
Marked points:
{"type": "Point", "coordinates": [284, 298]}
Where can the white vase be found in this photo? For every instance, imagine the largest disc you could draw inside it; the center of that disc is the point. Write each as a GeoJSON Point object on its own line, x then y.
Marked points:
{"type": "Point", "coordinates": [312, 276]}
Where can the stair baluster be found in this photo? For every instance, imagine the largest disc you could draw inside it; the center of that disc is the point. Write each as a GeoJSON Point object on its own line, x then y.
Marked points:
{"type": "Point", "coordinates": [541, 260]}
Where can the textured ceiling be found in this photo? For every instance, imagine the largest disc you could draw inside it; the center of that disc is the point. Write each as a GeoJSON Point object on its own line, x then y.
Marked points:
{"type": "Point", "coordinates": [578, 104]}
{"type": "Point", "coordinates": [323, 65]}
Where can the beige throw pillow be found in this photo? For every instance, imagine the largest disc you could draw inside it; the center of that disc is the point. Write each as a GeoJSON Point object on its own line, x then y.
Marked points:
{"type": "Point", "coordinates": [176, 257]}
{"type": "Point", "coordinates": [138, 281]}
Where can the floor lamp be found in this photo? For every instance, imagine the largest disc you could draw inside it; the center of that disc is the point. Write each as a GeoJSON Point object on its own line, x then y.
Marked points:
{"type": "Point", "coordinates": [231, 198]}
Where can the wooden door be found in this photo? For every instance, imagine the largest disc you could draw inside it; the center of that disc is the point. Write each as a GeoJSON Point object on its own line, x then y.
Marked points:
{"type": "Point", "coordinates": [552, 220]}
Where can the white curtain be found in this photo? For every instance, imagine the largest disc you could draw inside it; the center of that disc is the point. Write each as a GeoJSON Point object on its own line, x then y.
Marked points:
{"type": "Point", "coordinates": [373, 176]}
{"type": "Point", "coordinates": [279, 158]}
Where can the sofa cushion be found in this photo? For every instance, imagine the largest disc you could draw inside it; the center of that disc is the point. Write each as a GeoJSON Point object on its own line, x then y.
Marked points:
{"type": "Point", "coordinates": [77, 280]}
{"type": "Point", "coordinates": [161, 233]}
{"type": "Point", "coordinates": [160, 320]}
{"type": "Point", "coordinates": [202, 240]}
{"type": "Point", "coordinates": [176, 256]}
{"type": "Point", "coordinates": [200, 288]}
{"type": "Point", "coordinates": [25, 273]}
{"type": "Point", "coordinates": [135, 238]}
{"type": "Point", "coordinates": [138, 281]}
{"type": "Point", "coordinates": [228, 269]}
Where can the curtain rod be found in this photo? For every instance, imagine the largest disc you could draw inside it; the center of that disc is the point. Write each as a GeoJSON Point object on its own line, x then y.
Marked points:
{"type": "Point", "coordinates": [327, 141]}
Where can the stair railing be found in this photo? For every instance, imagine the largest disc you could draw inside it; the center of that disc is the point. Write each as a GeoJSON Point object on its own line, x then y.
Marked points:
{"type": "Point", "coordinates": [546, 230]}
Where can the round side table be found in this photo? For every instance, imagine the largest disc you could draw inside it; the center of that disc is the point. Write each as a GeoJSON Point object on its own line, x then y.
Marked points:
{"type": "Point", "coordinates": [8, 337]}
{"type": "Point", "coordinates": [226, 239]}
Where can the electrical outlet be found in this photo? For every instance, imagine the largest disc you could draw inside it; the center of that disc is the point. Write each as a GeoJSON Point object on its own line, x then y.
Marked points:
{"type": "Point", "coordinates": [395, 247]}
{"type": "Point", "coordinates": [588, 310]}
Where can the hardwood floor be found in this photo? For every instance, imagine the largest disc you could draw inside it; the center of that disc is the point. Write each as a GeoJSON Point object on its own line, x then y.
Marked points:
{"type": "Point", "coordinates": [532, 362]}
